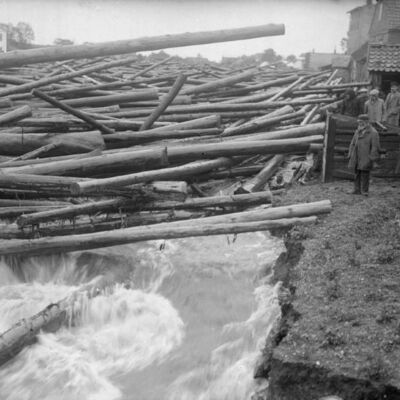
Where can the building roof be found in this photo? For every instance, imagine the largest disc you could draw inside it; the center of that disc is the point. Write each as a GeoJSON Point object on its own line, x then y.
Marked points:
{"type": "Point", "coordinates": [341, 61]}
{"type": "Point", "coordinates": [384, 57]}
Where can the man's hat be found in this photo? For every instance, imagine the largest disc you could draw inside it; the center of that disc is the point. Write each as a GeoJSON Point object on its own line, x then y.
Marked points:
{"type": "Point", "coordinates": [374, 92]}
{"type": "Point", "coordinates": [394, 84]}
{"type": "Point", "coordinates": [363, 117]}
{"type": "Point", "coordinates": [363, 90]}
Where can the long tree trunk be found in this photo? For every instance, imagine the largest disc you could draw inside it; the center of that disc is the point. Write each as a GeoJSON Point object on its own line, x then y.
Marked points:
{"type": "Point", "coordinates": [45, 54]}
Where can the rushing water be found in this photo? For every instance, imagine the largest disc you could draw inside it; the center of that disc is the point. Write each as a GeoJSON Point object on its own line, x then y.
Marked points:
{"type": "Point", "coordinates": [185, 320]}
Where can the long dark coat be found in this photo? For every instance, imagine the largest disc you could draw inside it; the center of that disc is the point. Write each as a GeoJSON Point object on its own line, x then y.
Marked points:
{"type": "Point", "coordinates": [364, 149]}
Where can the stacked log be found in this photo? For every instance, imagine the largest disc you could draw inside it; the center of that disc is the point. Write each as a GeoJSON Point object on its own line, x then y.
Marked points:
{"type": "Point", "coordinates": [96, 142]}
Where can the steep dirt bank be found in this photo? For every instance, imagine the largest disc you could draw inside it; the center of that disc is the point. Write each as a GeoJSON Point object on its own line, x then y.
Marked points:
{"type": "Point", "coordinates": [340, 327]}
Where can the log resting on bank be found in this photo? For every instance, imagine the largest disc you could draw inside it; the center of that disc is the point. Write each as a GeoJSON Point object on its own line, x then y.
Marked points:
{"type": "Point", "coordinates": [46, 54]}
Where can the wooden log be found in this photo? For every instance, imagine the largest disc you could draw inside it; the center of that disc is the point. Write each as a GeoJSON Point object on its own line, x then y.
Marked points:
{"type": "Point", "coordinates": [261, 123]}
{"type": "Point", "coordinates": [6, 103]}
{"type": "Point", "coordinates": [286, 90]}
{"type": "Point", "coordinates": [26, 87]}
{"type": "Point", "coordinates": [15, 115]}
{"type": "Point", "coordinates": [31, 154]}
{"type": "Point", "coordinates": [105, 163]}
{"type": "Point", "coordinates": [14, 144]}
{"type": "Point", "coordinates": [121, 139]}
{"type": "Point", "coordinates": [144, 233]}
{"type": "Point", "coordinates": [288, 133]}
{"type": "Point", "coordinates": [46, 54]}
{"type": "Point", "coordinates": [164, 102]}
{"type": "Point", "coordinates": [182, 171]}
{"type": "Point", "coordinates": [36, 218]}
{"type": "Point", "coordinates": [112, 99]}
{"type": "Point", "coordinates": [24, 332]}
{"type": "Point", "coordinates": [178, 154]}
{"type": "Point", "coordinates": [239, 200]}
{"type": "Point", "coordinates": [260, 180]}
{"type": "Point", "coordinates": [79, 114]}
{"type": "Point", "coordinates": [206, 87]}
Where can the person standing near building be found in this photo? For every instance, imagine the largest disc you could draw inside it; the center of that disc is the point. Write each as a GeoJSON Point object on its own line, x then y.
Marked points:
{"type": "Point", "coordinates": [349, 104]}
{"type": "Point", "coordinates": [362, 97]}
{"type": "Point", "coordinates": [363, 153]}
{"type": "Point", "coordinates": [392, 105]}
{"type": "Point", "coordinates": [374, 107]}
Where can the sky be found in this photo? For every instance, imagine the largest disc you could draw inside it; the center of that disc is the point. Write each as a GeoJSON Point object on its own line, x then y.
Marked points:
{"type": "Point", "coordinates": [310, 24]}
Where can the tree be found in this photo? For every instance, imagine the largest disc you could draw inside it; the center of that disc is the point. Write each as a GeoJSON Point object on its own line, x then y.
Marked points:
{"type": "Point", "coordinates": [21, 33]}
{"type": "Point", "coordinates": [291, 58]}
{"type": "Point", "coordinates": [62, 42]}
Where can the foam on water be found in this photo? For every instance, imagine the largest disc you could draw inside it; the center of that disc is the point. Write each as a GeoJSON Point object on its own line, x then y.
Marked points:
{"type": "Point", "coordinates": [182, 319]}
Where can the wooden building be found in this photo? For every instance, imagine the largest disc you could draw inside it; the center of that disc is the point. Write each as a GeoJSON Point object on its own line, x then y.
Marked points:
{"type": "Point", "coordinates": [374, 43]}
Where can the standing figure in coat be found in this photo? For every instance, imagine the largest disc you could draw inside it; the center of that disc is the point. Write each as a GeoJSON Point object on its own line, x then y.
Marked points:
{"type": "Point", "coordinates": [392, 105]}
{"type": "Point", "coordinates": [375, 107]}
{"type": "Point", "coordinates": [349, 104]}
{"type": "Point", "coordinates": [363, 153]}
{"type": "Point", "coordinates": [362, 97]}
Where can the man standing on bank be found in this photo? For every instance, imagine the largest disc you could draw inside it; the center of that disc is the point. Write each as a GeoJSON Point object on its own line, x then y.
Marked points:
{"type": "Point", "coordinates": [363, 153]}
{"type": "Point", "coordinates": [392, 105]}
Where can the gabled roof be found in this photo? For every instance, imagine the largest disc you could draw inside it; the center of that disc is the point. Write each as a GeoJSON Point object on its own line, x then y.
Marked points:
{"type": "Point", "coordinates": [384, 57]}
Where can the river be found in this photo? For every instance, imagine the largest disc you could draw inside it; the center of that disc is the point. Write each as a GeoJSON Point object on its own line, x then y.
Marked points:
{"type": "Point", "coordinates": [185, 320]}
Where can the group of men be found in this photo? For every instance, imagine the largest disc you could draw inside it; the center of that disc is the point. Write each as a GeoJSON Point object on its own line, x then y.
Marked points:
{"type": "Point", "coordinates": [364, 147]}
{"type": "Point", "coordinates": [377, 109]}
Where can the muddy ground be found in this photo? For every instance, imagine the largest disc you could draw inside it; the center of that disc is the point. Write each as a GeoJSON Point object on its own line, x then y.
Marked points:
{"type": "Point", "coordinates": [340, 330]}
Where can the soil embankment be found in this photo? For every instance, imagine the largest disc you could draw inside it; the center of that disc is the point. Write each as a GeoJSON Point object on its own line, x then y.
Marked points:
{"type": "Point", "coordinates": [340, 328]}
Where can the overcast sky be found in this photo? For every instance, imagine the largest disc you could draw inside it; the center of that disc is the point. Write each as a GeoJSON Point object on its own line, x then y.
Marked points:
{"type": "Point", "coordinates": [310, 24]}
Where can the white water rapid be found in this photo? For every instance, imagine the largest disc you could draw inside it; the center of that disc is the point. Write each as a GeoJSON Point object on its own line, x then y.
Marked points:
{"type": "Point", "coordinates": [185, 320]}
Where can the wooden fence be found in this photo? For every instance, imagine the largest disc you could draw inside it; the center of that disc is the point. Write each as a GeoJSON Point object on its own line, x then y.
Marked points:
{"type": "Point", "coordinates": [339, 132]}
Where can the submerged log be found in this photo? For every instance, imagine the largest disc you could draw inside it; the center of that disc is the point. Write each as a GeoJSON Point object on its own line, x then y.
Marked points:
{"type": "Point", "coordinates": [24, 332]}
{"type": "Point", "coordinates": [45, 54]}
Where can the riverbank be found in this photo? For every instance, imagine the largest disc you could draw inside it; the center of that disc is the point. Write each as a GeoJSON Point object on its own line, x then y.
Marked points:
{"type": "Point", "coordinates": [340, 328]}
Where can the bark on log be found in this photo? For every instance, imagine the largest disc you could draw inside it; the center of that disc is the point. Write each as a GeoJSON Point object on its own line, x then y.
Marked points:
{"type": "Point", "coordinates": [130, 235]}
{"type": "Point", "coordinates": [164, 102]}
{"type": "Point", "coordinates": [31, 154]}
{"type": "Point", "coordinates": [15, 115]}
{"type": "Point", "coordinates": [13, 144]}
{"type": "Point", "coordinates": [21, 57]}
{"type": "Point", "coordinates": [261, 123]}
{"type": "Point", "coordinates": [182, 171]}
{"type": "Point", "coordinates": [206, 87]}
{"type": "Point", "coordinates": [112, 99]}
{"type": "Point", "coordinates": [259, 181]}
{"type": "Point", "coordinates": [26, 87]}
{"type": "Point", "coordinates": [105, 163]}
{"type": "Point", "coordinates": [79, 114]}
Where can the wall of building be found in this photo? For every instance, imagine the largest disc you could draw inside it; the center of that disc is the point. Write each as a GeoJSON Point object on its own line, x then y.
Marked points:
{"type": "Point", "coordinates": [360, 24]}
{"type": "Point", "coordinates": [3, 41]}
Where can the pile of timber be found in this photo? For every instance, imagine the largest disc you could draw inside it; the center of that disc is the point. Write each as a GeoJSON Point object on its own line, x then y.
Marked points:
{"type": "Point", "coordinates": [101, 146]}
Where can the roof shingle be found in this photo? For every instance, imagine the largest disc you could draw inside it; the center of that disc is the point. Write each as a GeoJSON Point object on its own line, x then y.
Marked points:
{"type": "Point", "coordinates": [384, 57]}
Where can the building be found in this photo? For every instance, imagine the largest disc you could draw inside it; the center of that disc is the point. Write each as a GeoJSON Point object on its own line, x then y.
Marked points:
{"type": "Point", "coordinates": [374, 43]}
